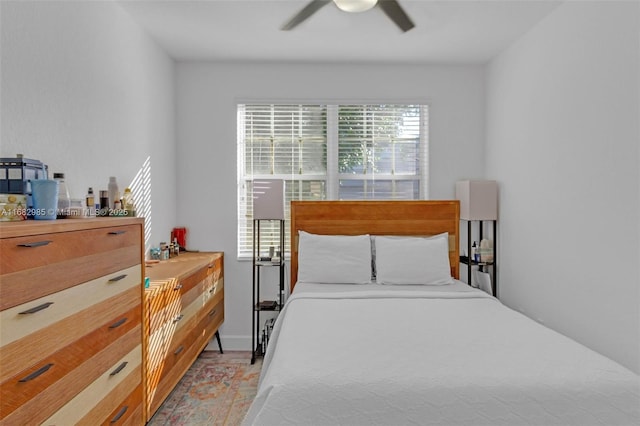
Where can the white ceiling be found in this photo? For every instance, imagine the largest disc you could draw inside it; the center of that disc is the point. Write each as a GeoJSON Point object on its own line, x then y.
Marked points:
{"type": "Point", "coordinates": [446, 31]}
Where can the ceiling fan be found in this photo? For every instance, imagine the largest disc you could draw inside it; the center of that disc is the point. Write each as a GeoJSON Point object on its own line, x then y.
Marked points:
{"type": "Point", "coordinates": [390, 7]}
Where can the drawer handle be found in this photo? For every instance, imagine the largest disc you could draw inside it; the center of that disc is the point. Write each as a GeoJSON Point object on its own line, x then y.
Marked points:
{"type": "Point", "coordinates": [119, 369]}
{"type": "Point", "coordinates": [213, 312]}
{"type": "Point", "coordinates": [178, 287]}
{"type": "Point", "coordinates": [120, 232]}
{"type": "Point", "coordinates": [180, 349]}
{"type": "Point", "coordinates": [118, 323]}
{"type": "Point", "coordinates": [178, 318]}
{"type": "Point", "coordinates": [118, 278]}
{"type": "Point", "coordinates": [36, 373]}
{"type": "Point", "coordinates": [211, 265]}
{"type": "Point", "coordinates": [36, 244]}
{"type": "Point", "coordinates": [36, 309]}
{"type": "Point", "coordinates": [120, 414]}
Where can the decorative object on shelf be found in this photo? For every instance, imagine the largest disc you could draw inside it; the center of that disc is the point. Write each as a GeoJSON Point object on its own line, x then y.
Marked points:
{"type": "Point", "coordinates": [479, 203]}
{"type": "Point", "coordinates": [180, 235]}
{"type": "Point", "coordinates": [268, 206]}
{"type": "Point", "coordinates": [486, 251]}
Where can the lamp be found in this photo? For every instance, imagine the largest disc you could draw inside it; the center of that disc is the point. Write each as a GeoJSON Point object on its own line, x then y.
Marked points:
{"type": "Point", "coordinates": [478, 199]}
{"type": "Point", "coordinates": [355, 5]}
{"type": "Point", "coordinates": [268, 199]}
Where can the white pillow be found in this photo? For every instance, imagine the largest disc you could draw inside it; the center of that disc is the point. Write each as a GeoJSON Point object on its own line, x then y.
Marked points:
{"type": "Point", "coordinates": [413, 260]}
{"type": "Point", "coordinates": [344, 259]}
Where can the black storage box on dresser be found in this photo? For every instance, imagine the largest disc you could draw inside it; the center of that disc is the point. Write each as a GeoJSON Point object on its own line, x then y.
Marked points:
{"type": "Point", "coordinates": [16, 174]}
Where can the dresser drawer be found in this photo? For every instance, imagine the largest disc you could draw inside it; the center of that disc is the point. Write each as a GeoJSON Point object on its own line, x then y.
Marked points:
{"type": "Point", "coordinates": [32, 316]}
{"type": "Point", "coordinates": [196, 304]}
{"type": "Point", "coordinates": [210, 323]}
{"type": "Point", "coordinates": [198, 279]}
{"type": "Point", "coordinates": [130, 412]}
{"type": "Point", "coordinates": [216, 268]}
{"type": "Point", "coordinates": [186, 271]}
{"type": "Point", "coordinates": [163, 303]}
{"type": "Point", "coordinates": [103, 398]}
{"type": "Point", "coordinates": [21, 253]}
{"type": "Point", "coordinates": [212, 286]}
{"type": "Point", "coordinates": [207, 277]}
{"type": "Point", "coordinates": [36, 266]}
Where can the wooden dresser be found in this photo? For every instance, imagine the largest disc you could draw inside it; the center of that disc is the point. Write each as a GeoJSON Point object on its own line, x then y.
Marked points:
{"type": "Point", "coordinates": [71, 322]}
{"type": "Point", "coordinates": [184, 306]}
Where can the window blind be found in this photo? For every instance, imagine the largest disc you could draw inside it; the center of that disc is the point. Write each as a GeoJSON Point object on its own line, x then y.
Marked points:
{"type": "Point", "coordinates": [329, 152]}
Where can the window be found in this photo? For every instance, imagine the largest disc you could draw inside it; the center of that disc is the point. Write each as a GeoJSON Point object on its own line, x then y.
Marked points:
{"type": "Point", "coordinates": [329, 152]}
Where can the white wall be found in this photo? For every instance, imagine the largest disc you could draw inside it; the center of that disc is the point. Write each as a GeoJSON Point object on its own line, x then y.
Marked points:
{"type": "Point", "coordinates": [207, 95]}
{"type": "Point", "coordinates": [562, 140]}
{"type": "Point", "coordinates": [87, 92]}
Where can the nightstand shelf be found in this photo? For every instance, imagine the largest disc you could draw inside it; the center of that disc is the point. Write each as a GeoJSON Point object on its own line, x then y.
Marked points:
{"type": "Point", "coordinates": [465, 260]}
{"type": "Point", "coordinates": [265, 309]}
{"type": "Point", "coordinates": [482, 266]}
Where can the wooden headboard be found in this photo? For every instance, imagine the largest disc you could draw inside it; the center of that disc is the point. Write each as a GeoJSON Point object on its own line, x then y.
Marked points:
{"type": "Point", "coordinates": [418, 218]}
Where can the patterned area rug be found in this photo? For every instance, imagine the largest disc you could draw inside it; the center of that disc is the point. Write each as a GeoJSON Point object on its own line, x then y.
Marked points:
{"type": "Point", "coordinates": [217, 390]}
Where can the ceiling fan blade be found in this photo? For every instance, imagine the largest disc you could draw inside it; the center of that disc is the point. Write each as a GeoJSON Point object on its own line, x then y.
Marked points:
{"type": "Point", "coordinates": [311, 8]}
{"type": "Point", "coordinates": [394, 11]}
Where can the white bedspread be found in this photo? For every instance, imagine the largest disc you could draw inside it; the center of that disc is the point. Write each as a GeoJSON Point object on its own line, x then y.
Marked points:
{"type": "Point", "coordinates": [448, 355]}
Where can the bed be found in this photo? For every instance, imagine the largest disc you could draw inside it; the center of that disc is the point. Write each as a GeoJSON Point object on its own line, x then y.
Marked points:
{"type": "Point", "coordinates": [386, 350]}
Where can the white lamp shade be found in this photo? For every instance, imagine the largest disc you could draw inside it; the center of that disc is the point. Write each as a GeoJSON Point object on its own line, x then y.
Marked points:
{"type": "Point", "coordinates": [268, 199]}
{"type": "Point", "coordinates": [478, 199]}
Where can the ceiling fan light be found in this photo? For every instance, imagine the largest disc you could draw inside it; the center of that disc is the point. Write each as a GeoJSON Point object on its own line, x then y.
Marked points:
{"type": "Point", "coordinates": [355, 5]}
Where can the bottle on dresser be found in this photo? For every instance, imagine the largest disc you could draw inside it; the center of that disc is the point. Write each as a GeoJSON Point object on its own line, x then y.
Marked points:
{"type": "Point", "coordinates": [114, 192]}
{"type": "Point", "coordinates": [127, 202]}
{"type": "Point", "coordinates": [64, 200]}
{"type": "Point", "coordinates": [104, 203]}
{"type": "Point", "coordinates": [90, 203]}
